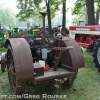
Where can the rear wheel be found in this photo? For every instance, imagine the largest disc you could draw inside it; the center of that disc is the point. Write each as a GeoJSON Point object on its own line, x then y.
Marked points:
{"type": "Point", "coordinates": [96, 54]}
{"type": "Point", "coordinates": [15, 85]}
{"type": "Point", "coordinates": [19, 65]}
{"type": "Point", "coordinates": [70, 60]}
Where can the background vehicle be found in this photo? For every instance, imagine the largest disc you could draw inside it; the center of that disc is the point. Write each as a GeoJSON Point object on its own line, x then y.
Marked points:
{"type": "Point", "coordinates": [88, 37]}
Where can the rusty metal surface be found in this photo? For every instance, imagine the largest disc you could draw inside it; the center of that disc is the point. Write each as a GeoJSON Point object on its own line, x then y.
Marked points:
{"type": "Point", "coordinates": [72, 58]}
{"type": "Point", "coordinates": [50, 75]}
{"type": "Point", "coordinates": [16, 87]}
{"type": "Point", "coordinates": [3, 62]}
{"type": "Point", "coordinates": [43, 16]}
{"type": "Point", "coordinates": [57, 60]}
{"type": "Point", "coordinates": [28, 38]}
{"type": "Point", "coordinates": [39, 70]}
{"type": "Point", "coordinates": [61, 50]}
{"type": "Point", "coordinates": [23, 63]}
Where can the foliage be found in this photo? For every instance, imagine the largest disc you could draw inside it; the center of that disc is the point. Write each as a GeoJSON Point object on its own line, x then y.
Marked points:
{"type": "Point", "coordinates": [6, 16]}
{"type": "Point", "coordinates": [78, 18]}
{"type": "Point", "coordinates": [28, 9]}
{"type": "Point", "coordinates": [31, 8]}
{"type": "Point", "coordinates": [79, 7]}
{"type": "Point", "coordinates": [79, 10]}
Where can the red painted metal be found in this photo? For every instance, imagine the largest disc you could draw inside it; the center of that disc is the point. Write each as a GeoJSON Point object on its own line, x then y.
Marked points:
{"type": "Point", "coordinates": [84, 37]}
{"type": "Point", "coordinates": [46, 67]}
{"type": "Point", "coordinates": [85, 28]}
{"type": "Point", "coordinates": [87, 41]}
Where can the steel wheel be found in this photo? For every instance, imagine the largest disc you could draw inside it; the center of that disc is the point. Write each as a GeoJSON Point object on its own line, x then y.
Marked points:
{"type": "Point", "coordinates": [72, 59]}
{"type": "Point", "coordinates": [19, 65]}
{"type": "Point", "coordinates": [3, 62]}
{"type": "Point", "coordinates": [15, 87]}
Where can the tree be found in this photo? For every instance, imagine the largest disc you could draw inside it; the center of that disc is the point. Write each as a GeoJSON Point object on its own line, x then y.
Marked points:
{"type": "Point", "coordinates": [90, 11]}
{"type": "Point", "coordinates": [80, 8]}
{"type": "Point", "coordinates": [64, 17]}
{"type": "Point", "coordinates": [31, 8]}
{"type": "Point", "coordinates": [6, 16]}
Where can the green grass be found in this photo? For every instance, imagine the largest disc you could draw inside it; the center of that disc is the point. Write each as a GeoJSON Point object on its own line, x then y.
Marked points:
{"type": "Point", "coordinates": [88, 82]}
{"type": "Point", "coordinates": [85, 87]}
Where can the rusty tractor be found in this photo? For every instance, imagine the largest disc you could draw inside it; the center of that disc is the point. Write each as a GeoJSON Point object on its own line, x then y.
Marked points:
{"type": "Point", "coordinates": [33, 58]}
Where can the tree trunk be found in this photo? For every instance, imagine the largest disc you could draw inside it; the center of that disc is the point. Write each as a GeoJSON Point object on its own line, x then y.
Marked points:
{"type": "Point", "coordinates": [97, 17]}
{"type": "Point", "coordinates": [90, 12]}
{"type": "Point", "coordinates": [49, 17]}
{"type": "Point", "coordinates": [64, 17]}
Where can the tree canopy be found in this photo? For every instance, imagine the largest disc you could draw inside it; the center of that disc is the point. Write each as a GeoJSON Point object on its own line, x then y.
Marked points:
{"type": "Point", "coordinates": [6, 16]}
{"type": "Point", "coordinates": [31, 8]}
{"type": "Point", "coordinates": [80, 9]}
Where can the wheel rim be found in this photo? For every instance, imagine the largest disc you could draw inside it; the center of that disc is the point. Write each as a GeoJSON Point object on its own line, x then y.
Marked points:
{"type": "Point", "coordinates": [11, 70]}
{"type": "Point", "coordinates": [3, 62]}
{"type": "Point", "coordinates": [98, 55]}
{"type": "Point", "coordinates": [19, 64]}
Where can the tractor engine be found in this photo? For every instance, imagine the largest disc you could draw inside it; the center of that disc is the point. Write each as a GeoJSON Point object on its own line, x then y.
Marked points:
{"type": "Point", "coordinates": [39, 52]}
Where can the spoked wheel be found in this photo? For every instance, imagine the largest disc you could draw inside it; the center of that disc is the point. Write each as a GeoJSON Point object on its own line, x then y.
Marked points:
{"type": "Point", "coordinates": [72, 59]}
{"type": "Point", "coordinates": [3, 62]}
{"type": "Point", "coordinates": [96, 54]}
{"type": "Point", "coordinates": [14, 83]}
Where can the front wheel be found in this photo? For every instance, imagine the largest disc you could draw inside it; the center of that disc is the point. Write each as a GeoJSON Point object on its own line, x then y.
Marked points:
{"type": "Point", "coordinates": [96, 54]}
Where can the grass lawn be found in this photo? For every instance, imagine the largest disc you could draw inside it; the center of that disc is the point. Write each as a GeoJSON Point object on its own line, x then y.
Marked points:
{"type": "Point", "coordinates": [85, 87]}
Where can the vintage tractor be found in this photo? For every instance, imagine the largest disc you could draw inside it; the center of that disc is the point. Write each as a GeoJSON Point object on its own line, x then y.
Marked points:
{"type": "Point", "coordinates": [32, 31]}
{"type": "Point", "coordinates": [3, 36]}
{"type": "Point", "coordinates": [88, 37]}
{"type": "Point", "coordinates": [33, 58]}
{"type": "Point", "coordinates": [16, 32]}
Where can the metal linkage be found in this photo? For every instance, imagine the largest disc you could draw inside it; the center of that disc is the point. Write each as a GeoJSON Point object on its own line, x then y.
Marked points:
{"type": "Point", "coordinates": [61, 50]}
